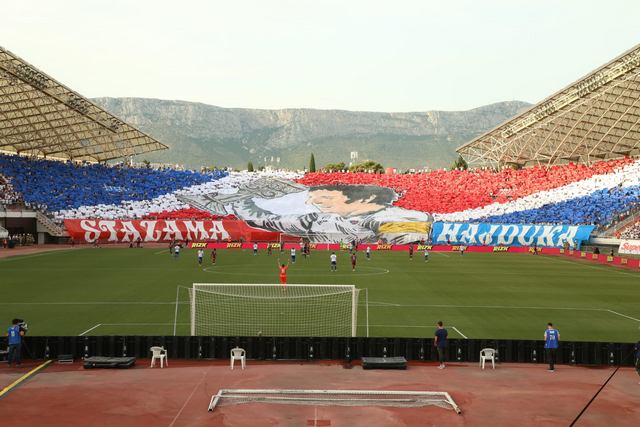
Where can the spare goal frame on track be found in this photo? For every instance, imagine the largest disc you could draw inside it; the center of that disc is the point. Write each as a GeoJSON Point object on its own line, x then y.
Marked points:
{"type": "Point", "coordinates": [389, 398]}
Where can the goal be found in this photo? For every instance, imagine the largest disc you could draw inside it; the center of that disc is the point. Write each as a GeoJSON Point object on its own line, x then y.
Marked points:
{"type": "Point", "coordinates": [389, 398]}
{"type": "Point", "coordinates": [273, 310]}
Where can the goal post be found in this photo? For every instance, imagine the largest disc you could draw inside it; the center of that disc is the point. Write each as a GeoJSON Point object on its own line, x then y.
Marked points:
{"type": "Point", "coordinates": [232, 309]}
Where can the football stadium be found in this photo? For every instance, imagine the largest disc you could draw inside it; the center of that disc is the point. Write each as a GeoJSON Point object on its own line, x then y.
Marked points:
{"type": "Point", "coordinates": [321, 287]}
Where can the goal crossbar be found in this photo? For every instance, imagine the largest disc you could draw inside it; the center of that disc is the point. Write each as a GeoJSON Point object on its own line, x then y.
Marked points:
{"type": "Point", "coordinates": [394, 398]}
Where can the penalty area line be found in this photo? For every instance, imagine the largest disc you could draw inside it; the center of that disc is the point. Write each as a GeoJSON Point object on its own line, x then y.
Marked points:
{"type": "Point", "coordinates": [458, 331]}
{"type": "Point", "coordinates": [623, 315]}
{"type": "Point", "coordinates": [90, 329]}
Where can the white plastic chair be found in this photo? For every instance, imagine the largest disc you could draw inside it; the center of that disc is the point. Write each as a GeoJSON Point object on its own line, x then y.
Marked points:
{"type": "Point", "coordinates": [488, 354]}
{"type": "Point", "coordinates": [238, 353]}
{"type": "Point", "coordinates": [159, 353]}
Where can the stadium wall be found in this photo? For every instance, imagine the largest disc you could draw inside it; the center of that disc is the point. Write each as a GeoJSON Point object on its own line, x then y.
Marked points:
{"type": "Point", "coordinates": [323, 348]}
{"type": "Point", "coordinates": [122, 231]}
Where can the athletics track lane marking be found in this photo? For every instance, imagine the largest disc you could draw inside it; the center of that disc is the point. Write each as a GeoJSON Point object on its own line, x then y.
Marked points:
{"type": "Point", "coordinates": [204, 375]}
{"type": "Point", "coordinates": [20, 380]}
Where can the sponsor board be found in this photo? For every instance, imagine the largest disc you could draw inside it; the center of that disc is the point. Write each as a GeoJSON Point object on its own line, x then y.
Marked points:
{"type": "Point", "coordinates": [631, 247]}
{"type": "Point", "coordinates": [510, 234]}
{"type": "Point", "coordinates": [602, 259]}
{"type": "Point", "coordinates": [502, 249]}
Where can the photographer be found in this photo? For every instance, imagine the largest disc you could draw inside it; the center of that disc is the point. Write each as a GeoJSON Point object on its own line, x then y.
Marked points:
{"type": "Point", "coordinates": [15, 334]}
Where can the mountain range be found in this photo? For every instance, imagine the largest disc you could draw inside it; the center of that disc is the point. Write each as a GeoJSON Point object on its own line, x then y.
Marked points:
{"type": "Point", "coordinates": [206, 135]}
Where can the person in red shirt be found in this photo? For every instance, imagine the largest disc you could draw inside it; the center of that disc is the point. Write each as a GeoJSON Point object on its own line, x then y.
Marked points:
{"type": "Point", "coordinates": [353, 261]}
{"type": "Point", "coordinates": [283, 273]}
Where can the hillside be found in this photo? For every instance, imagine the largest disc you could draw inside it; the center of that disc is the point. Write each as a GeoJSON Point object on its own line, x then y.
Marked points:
{"type": "Point", "coordinates": [200, 134]}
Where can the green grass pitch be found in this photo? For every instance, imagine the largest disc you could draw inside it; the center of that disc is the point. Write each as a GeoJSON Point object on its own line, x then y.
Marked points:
{"type": "Point", "coordinates": [109, 291]}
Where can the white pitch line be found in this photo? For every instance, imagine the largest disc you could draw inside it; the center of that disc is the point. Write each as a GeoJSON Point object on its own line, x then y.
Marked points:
{"type": "Point", "coordinates": [141, 324]}
{"type": "Point", "coordinates": [384, 303]}
{"type": "Point", "coordinates": [494, 307]}
{"type": "Point", "coordinates": [19, 257]}
{"type": "Point", "coordinates": [600, 267]}
{"type": "Point", "coordinates": [95, 303]}
{"type": "Point", "coordinates": [90, 329]}
{"type": "Point", "coordinates": [623, 315]}
{"type": "Point", "coordinates": [458, 331]}
{"type": "Point", "coordinates": [442, 253]}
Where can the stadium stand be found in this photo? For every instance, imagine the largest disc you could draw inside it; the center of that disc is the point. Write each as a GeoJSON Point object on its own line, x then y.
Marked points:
{"type": "Point", "coordinates": [445, 191]}
{"type": "Point", "coordinates": [561, 194]}
{"type": "Point", "coordinates": [54, 186]}
{"type": "Point", "coordinates": [73, 191]}
{"type": "Point", "coordinates": [7, 195]}
{"type": "Point", "coordinates": [186, 213]}
{"type": "Point", "coordinates": [632, 231]}
{"type": "Point", "coordinates": [568, 194]}
{"type": "Point", "coordinates": [167, 205]}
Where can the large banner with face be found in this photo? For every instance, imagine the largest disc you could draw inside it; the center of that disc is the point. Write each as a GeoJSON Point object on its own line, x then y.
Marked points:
{"type": "Point", "coordinates": [88, 230]}
{"type": "Point", "coordinates": [321, 214]}
{"type": "Point", "coordinates": [511, 234]}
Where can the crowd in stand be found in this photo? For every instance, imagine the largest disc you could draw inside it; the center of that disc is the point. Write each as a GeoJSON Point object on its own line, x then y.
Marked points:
{"type": "Point", "coordinates": [565, 194]}
{"type": "Point", "coordinates": [444, 191]}
{"type": "Point", "coordinates": [55, 185]}
{"type": "Point", "coordinates": [169, 206]}
{"type": "Point", "coordinates": [631, 232]}
{"type": "Point", "coordinates": [8, 197]}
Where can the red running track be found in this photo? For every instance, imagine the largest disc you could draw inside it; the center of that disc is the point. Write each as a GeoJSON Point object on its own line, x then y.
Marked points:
{"type": "Point", "coordinates": [512, 395]}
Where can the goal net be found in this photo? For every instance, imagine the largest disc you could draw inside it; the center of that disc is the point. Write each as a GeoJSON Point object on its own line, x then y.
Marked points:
{"type": "Point", "coordinates": [273, 310]}
{"type": "Point", "coordinates": [389, 398]}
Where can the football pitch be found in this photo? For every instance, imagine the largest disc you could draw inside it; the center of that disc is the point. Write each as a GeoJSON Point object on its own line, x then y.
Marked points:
{"type": "Point", "coordinates": [118, 291]}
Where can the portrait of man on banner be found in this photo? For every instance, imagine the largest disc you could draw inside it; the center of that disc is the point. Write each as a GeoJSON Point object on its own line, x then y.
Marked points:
{"type": "Point", "coordinates": [325, 213]}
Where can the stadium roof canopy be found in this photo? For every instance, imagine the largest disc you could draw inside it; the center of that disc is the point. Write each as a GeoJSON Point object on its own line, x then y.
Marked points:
{"type": "Point", "coordinates": [41, 116]}
{"type": "Point", "coordinates": [595, 118]}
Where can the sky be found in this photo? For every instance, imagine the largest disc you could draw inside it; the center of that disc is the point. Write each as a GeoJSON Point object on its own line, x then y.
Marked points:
{"type": "Point", "coordinates": [366, 55]}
